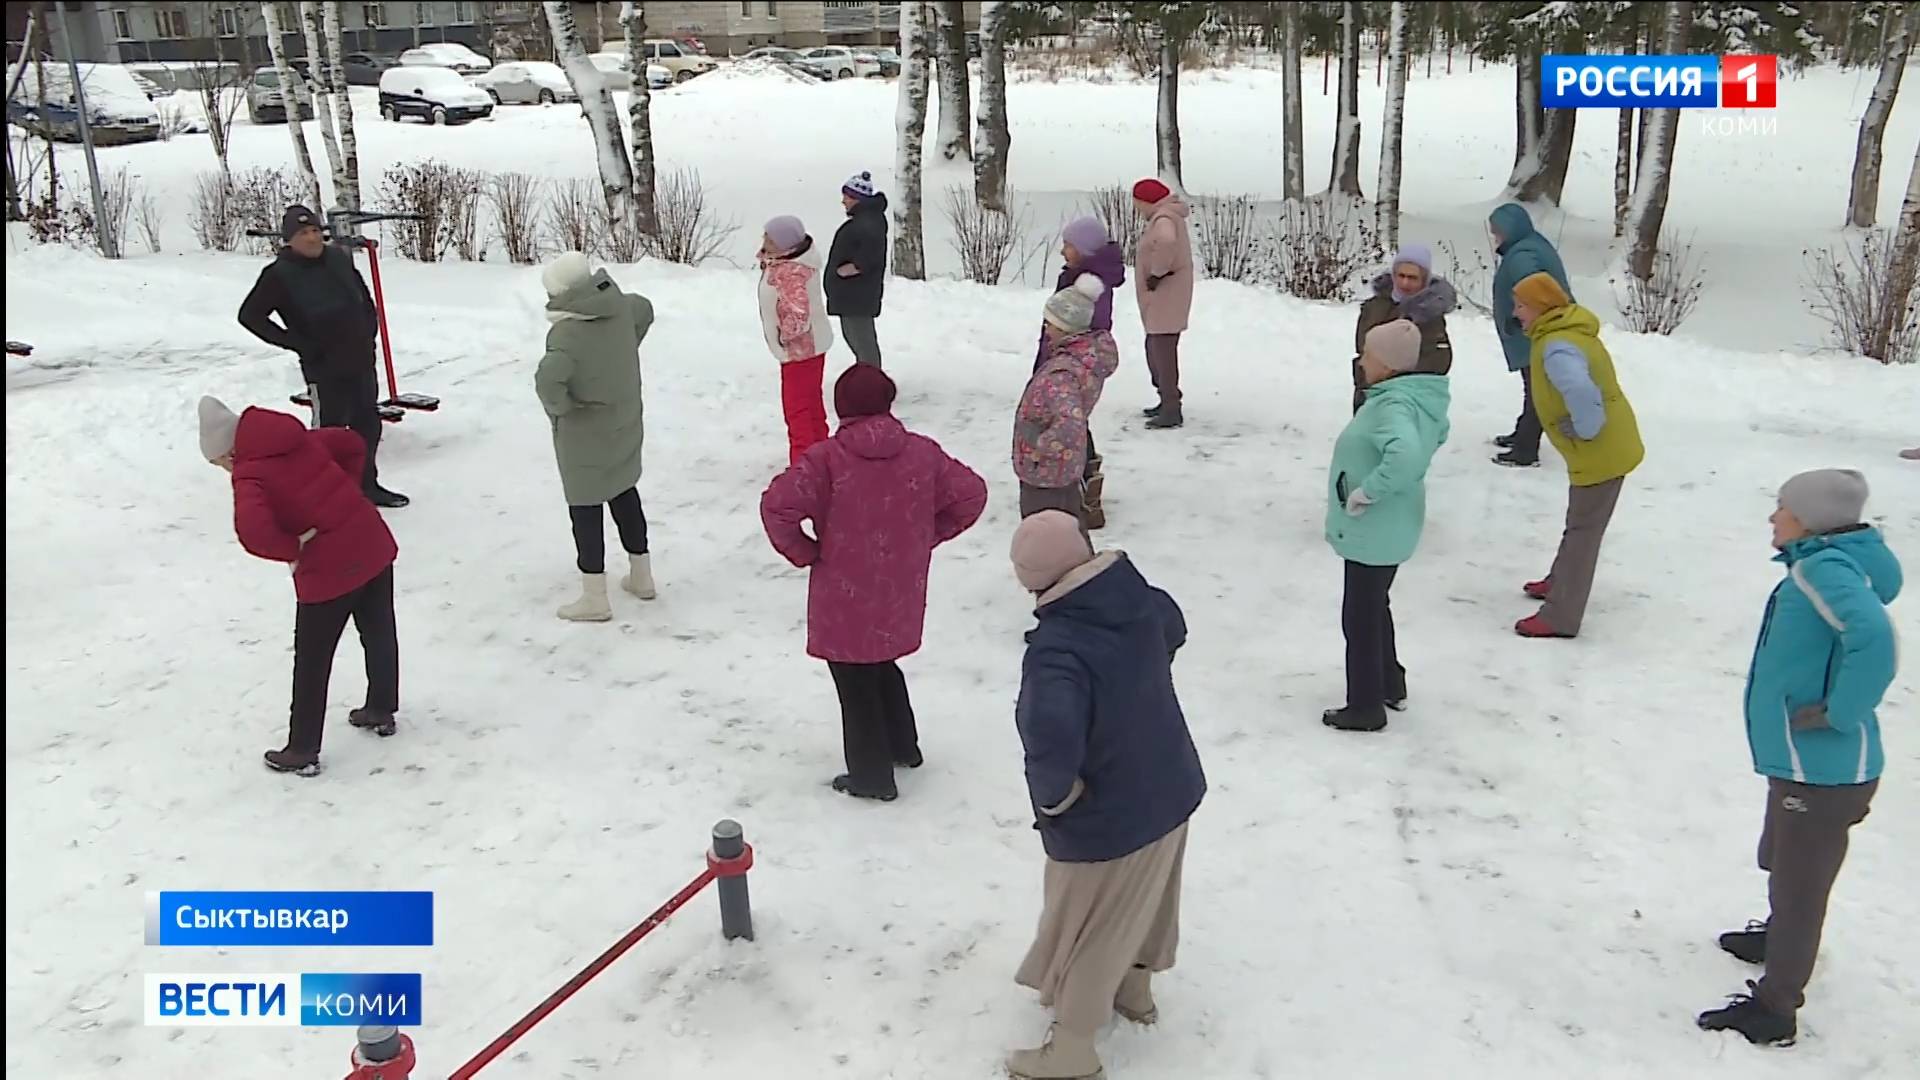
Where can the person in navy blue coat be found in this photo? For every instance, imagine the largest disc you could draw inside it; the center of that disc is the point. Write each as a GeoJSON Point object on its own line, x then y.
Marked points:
{"type": "Point", "coordinates": [1113, 776]}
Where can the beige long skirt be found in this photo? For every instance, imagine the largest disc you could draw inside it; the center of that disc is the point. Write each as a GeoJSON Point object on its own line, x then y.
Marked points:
{"type": "Point", "coordinates": [1101, 919]}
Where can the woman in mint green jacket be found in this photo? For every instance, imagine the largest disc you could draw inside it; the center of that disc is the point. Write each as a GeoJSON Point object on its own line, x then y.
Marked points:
{"type": "Point", "coordinates": [1376, 507]}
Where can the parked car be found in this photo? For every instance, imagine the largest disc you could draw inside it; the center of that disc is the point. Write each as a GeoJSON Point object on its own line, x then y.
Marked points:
{"type": "Point", "coordinates": [887, 59]}
{"type": "Point", "coordinates": [118, 111]}
{"type": "Point", "coordinates": [266, 103]}
{"type": "Point", "coordinates": [614, 68]}
{"type": "Point", "coordinates": [793, 60]}
{"type": "Point", "coordinates": [525, 82]}
{"type": "Point", "coordinates": [844, 62]}
{"type": "Point", "coordinates": [447, 54]}
{"type": "Point", "coordinates": [364, 69]}
{"type": "Point", "coordinates": [437, 95]}
{"type": "Point", "coordinates": [682, 62]}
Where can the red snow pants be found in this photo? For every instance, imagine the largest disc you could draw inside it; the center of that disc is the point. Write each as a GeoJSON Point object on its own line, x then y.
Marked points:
{"type": "Point", "coordinates": [802, 399]}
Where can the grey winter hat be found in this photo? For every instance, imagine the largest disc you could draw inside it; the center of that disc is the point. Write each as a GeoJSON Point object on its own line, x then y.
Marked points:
{"type": "Point", "coordinates": [218, 426]}
{"type": "Point", "coordinates": [1825, 500]}
{"type": "Point", "coordinates": [1071, 309]}
{"type": "Point", "coordinates": [786, 231]}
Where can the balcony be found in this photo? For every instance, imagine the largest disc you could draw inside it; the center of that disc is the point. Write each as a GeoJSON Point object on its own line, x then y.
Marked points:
{"type": "Point", "coordinates": [862, 18]}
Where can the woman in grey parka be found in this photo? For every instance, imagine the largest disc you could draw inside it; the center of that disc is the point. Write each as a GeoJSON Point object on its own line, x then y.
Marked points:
{"type": "Point", "coordinates": [589, 383]}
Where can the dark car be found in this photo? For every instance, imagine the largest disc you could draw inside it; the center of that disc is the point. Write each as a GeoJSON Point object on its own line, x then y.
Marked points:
{"type": "Point", "coordinates": [437, 95]}
{"type": "Point", "coordinates": [364, 69]}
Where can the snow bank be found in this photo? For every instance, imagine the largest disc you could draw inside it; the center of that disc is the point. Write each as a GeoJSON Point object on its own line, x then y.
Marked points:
{"type": "Point", "coordinates": [759, 72]}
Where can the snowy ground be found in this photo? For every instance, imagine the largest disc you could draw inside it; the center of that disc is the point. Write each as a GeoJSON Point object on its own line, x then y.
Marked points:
{"type": "Point", "coordinates": [1522, 878]}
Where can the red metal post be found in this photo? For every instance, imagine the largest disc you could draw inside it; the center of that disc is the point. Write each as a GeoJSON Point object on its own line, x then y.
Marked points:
{"type": "Point", "coordinates": [380, 309]}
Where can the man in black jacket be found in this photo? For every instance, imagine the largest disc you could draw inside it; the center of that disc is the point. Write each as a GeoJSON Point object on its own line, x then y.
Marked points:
{"type": "Point", "coordinates": [857, 265]}
{"type": "Point", "coordinates": [327, 318]}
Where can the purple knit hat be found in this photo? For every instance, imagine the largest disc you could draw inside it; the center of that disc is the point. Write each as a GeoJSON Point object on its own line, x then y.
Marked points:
{"type": "Point", "coordinates": [787, 232]}
{"type": "Point", "coordinates": [1086, 234]}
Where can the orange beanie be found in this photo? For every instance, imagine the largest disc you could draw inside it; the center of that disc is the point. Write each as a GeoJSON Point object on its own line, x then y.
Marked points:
{"type": "Point", "coordinates": [1541, 293]}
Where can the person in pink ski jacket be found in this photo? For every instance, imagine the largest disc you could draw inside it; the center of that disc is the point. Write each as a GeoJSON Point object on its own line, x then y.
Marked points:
{"type": "Point", "coordinates": [793, 317]}
{"type": "Point", "coordinates": [1163, 283]}
{"type": "Point", "coordinates": [880, 499]}
{"type": "Point", "coordinates": [1050, 428]}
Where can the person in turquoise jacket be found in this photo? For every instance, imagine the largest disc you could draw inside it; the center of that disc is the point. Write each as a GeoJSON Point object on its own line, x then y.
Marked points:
{"type": "Point", "coordinates": [1376, 508]}
{"type": "Point", "coordinates": [1823, 661]}
{"type": "Point", "coordinates": [1523, 252]}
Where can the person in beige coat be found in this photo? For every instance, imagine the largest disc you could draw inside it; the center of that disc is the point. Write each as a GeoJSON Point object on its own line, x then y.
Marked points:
{"type": "Point", "coordinates": [1163, 281]}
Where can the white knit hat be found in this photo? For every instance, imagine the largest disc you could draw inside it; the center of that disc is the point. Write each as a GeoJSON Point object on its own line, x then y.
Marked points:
{"type": "Point", "coordinates": [1071, 309]}
{"type": "Point", "coordinates": [218, 426]}
{"type": "Point", "coordinates": [568, 271]}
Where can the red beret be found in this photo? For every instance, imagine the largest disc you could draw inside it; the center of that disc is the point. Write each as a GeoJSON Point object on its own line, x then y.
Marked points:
{"type": "Point", "coordinates": [1151, 190]}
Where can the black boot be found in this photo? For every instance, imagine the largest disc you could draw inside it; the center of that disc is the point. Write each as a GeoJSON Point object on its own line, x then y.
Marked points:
{"type": "Point", "coordinates": [1166, 419]}
{"type": "Point", "coordinates": [844, 785]}
{"type": "Point", "coordinates": [1744, 1014]}
{"type": "Point", "coordinates": [378, 721]}
{"type": "Point", "coordinates": [1749, 945]}
{"type": "Point", "coordinates": [913, 762]}
{"type": "Point", "coordinates": [387, 500]}
{"type": "Point", "coordinates": [1513, 459]}
{"type": "Point", "coordinates": [290, 761]}
{"type": "Point", "coordinates": [1151, 411]}
{"type": "Point", "coordinates": [1352, 719]}
{"type": "Point", "coordinates": [1504, 442]}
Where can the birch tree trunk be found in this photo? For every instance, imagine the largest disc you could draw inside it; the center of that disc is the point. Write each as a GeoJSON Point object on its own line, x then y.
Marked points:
{"type": "Point", "coordinates": [349, 194]}
{"type": "Point", "coordinates": [322, 67]}
{"type": "Point", "coordinates": [955, 91]}
{"type": "Point", "coordinates": [1906, 268]}
{"type": "Point", "coordinates": [1622, 172]}
{"type": "Point", "coordinates": [1864, 196]}
{"type": "Point", "coordinates": [610, 149]}
{"type": "Point", "coordinates": [910, 128]}
{"type": "Point", "coordinates": [1345, 177]}
{"type": "Point", "coordinates": [290, 84]}
{"type": "Point", "coordinates": [1392, 121]}
{"type": "Point", "coordinates": [1293, 129]}
{"type": "Point", "coordinates": [633, 23]}
{"type": "Point", "coordinates": [1528, 118]}
{"type": "Point", "coordinates": [992, 139]}
{"type": "Point", "coordinates": [1166, 125]}
{"type": "Point", "coordinates": [1649, 210]}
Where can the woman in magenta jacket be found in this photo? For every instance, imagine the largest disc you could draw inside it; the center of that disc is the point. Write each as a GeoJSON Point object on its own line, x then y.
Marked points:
{"type": "Point", "coordinates": [880, 498]}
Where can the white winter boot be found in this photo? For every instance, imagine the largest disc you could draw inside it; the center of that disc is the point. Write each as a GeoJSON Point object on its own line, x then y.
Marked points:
{"type": "Point", "coordinates": [592, 605]}
{"type": "Point", "coordinates": [639, 579]}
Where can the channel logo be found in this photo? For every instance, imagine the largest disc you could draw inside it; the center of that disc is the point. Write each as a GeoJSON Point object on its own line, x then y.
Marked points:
{"type": "Point", "coordinates": [338, 999]}
{"type": "Point", "coordinates": [1733, 81]}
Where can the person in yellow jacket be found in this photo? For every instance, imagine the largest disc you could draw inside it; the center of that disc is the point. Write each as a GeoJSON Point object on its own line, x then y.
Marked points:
{"type": "Point", "coordinates": [1587, 417]}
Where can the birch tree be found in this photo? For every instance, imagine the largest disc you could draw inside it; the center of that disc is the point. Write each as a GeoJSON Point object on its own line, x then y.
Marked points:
{"type": "Point", "coordinates": [1649, 210]}
{"type": "Point", "coordinates": [1293, 129]}
{"type": "Point", "coordinates": [633, 23]}
{"type": "Point", "coordinates": [1392, 121]}
{"type": "Point", "coordinates": [910, 127]}
{"type": "Point", "coordinates": [955, 89]}
{"type": "Point", "coordinates": [1345, 177]}
{"type": "Point", "coordinates": [321, 65]}
{"type": "Point", "coordinates": [1166, 125]}
{"type": "Point", "coordinates": [1904, 270]}
{"type": "Point", "coordinates": [349, 194]}
{"type": "Point", "coordinates": [610, 149]}
{"type": "Point", "coordinates": [290, 85]}
{"type": "Point", "coordinates": [992, 140]}
{"type": "Point", "coordinates": [1864, 195]}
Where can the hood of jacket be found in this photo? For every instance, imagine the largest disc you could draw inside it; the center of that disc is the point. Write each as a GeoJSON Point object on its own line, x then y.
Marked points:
{"type": "Point", "coordinates": [1572, 318]}
{"type": "Point", "coordinates": [1513, 223]}
{"type": "Point", "coordinates": [1105, 591]}
{"type": "Point", "coordinates": [874, 438]}
{"type": "Point", "coordinates": [1428, 394]}
{"type": "Point", "coordinates": [1108, 264]}
{"type": "Point", "coordinates": [597, 298]}
{"type": "Point", "coordinates": [1865, 546]}
{"type": "Point", "coordinates": [1095, 350]}
{"type": "Point", "coordinates": [807, 254]}
{"type": "Point", "coordinates": [264, 433]}
{"type": "Point", "coordinates": [1430, 303]}
{"type": "Point", "coordinates": [875, 205]}
{"type": "Point", "coordinates": [1172, 206]}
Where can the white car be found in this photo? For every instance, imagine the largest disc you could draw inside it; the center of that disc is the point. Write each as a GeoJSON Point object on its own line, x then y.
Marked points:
{"type": "Point", "coordinates": [447, 54]}
{"type": "Point", "coordinates": [614, 69]}
{"type": "Point", "coordinates": [845, 63]}
{"type": "Point", "coordinates": [526, 82]}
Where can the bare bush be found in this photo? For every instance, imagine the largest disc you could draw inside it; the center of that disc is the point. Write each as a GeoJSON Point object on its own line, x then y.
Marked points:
{"type": "Point", "coordinates": [984, 239]}
{"type": "Point", "coordinates": [119, 190]}
{"type": "Point", "coordinates": [224, 207]}
{"type": "Point", "coordinates": [174, 120]}
{"type": "Point", "coordinates": [690, 233]}
{"type": "Point", "coordinates": [466, 189]}
{"type": "Point", "coordinates": [1316, 248]}
{"type": "Point", "coordinates": [444, 203]}
{"type": "Point", "coordinates": [212, 213]}
{"type": "Point", "coordinates": [151, 218]}
{"type": "Point", "coordinates": [1852, 290]}
{"type": "Point", "coordinates": [1230, 237]}
{"type": "Point", "coordinates": [1094, 62]}
{"type": "Point", "coordinates": [515, 199]}
{"type": "Point", "coordinates": [1471, 279]}
{"type": "Point", "coordinates": [1663, 301]}
{"type": "Point", "coordinates": [573, 216]}
{"type": "Point", "coordinates": [1115, 208]}
{"type": "Point", "coordinates": [621, 241]}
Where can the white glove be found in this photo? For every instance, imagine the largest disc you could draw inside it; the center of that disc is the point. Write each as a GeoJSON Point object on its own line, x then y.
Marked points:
{"type": "Point", "coordinates": [1357, 502]}
{"type": "Point", "coordinates": [308, 535]}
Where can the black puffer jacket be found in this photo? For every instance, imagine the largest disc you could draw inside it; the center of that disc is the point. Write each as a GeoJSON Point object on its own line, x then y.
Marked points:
{"type": "Point", "coordinates": [861, 241]}
{"type": "Point", "coordinates": [328, 315]}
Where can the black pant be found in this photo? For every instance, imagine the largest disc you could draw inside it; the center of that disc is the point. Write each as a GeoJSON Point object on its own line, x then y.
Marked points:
{"type": "Point", "coordinates": [1093, 457]}
{"type": "Point", "coordinates": [1526, 426]}
{"type": "Point", "coordinates": [316, 634]}
{"type": "Point", "coordinates": [352, 402]}
{"type": "Point", "coordinates": [876, 723]}
{"type": "Point", "coordinates": [589, 539]}
{"type": "Point", "coordinates": [1374, 674]}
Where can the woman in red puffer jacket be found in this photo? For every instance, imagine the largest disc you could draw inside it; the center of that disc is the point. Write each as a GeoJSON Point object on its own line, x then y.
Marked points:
{"type": "Point", "coordinates": [297, 500]}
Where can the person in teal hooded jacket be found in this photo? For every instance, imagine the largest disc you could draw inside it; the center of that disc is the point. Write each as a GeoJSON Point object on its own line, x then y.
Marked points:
{"type": "Point", "coordinates": [1523, 252]}
{"type": "Point", "coordinates": [1823, 661]}
{"type": "Point", "coordinates": [1376, 508]}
